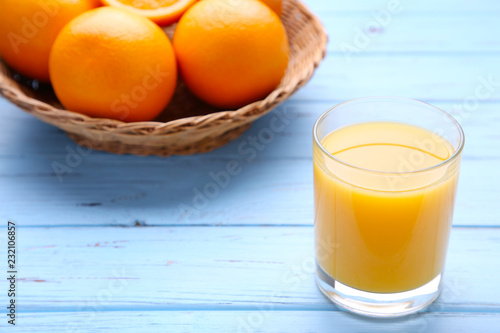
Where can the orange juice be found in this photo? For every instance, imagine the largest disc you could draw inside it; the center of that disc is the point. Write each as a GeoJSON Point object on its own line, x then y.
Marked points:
{"type": "Point", "coordinates": [383, 205]}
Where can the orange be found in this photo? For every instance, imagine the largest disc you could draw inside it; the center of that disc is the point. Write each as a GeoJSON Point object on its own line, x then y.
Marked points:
{"type": "Point", "coordinates": [28, 29]}
{"type": "Point", "coordinates": [162, 12]}
{"type": "Point", "coordinates": [231, 52]}
{"type": "Point", "coordinates": [275, 5]}
{"type": "Point", "coordinates": [110, 63]}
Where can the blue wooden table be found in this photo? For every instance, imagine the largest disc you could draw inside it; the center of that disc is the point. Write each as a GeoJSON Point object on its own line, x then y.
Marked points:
{"type": "Point", "coordinates": [148, 244]}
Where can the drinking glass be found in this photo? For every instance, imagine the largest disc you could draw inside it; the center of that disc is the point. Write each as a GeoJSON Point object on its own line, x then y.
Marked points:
{"type": "Point", "coordinates": [383, 214]}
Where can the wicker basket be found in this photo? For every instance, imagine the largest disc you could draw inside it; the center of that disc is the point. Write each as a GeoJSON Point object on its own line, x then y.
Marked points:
{"type": "Point", "coordinates": [188, 126]}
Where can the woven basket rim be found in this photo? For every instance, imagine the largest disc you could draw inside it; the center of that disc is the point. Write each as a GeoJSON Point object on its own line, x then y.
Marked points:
{"type": "Point", "coordinates": [253, 110]}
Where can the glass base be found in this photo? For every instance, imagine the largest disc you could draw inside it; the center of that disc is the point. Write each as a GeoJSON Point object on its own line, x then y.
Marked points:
{"type": "Point", "coordinates": [382, 305]}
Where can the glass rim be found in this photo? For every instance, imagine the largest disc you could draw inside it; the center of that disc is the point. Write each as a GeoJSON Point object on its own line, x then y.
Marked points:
{"type": "Point", "coordinates": [451, 158]}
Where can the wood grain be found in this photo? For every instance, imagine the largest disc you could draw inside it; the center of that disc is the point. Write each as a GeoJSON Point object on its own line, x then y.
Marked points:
{"type": "Point", "coordinates": [422, 77]}
{"type": "Point", "coordinates": [185, 321]}
{"type": "Point", "coordinates": [207, 268]}
{"type": "Point", "coordinates": [104, 189]}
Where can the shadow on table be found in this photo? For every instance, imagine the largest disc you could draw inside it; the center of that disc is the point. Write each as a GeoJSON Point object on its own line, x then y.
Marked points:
{"type": "Point", "coordinates": [219, 187]}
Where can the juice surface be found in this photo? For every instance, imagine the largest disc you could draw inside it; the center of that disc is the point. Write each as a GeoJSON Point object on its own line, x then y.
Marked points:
{"type": "Point", "coordinates": [375, 230]}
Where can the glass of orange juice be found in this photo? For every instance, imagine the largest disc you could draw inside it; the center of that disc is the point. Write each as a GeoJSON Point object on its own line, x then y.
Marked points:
{"type": "Point", "coordinates": [385, 176]}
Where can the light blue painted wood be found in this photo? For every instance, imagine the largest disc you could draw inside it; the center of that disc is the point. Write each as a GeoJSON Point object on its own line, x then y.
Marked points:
{"type": "Point", "coordinates": [105, 189]}
{"type": "Point", "coordinates": [210, 268]}
{"type": "Point", "coordinates": [252, 321]}
{"type": "Point", "coordinates": [423, 77]}
{"type": "Point", "coordinates": [407, 31]}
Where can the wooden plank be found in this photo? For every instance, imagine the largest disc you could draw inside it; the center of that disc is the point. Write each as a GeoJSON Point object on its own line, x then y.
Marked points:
{"type": "Point", "coordinates": [443, 6]}
{"type": "Point", "coordinates": [417, 33]}
{"type": "Point", "coordinates": [179, 193]}
{"type": "Point", "coordinates": [251, 321]}
{"type": "Point", "coordinates": [423, 77]}
{"type": "Point", "coordinates": [210, 268]}
{"type": "Point", "coordinates": [106, 189]}
{"type": "Point", "coordinates": [213, 279]}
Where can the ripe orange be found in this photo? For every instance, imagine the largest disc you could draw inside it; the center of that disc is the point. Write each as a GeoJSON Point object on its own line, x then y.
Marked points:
{"type": "Point", "coordinates": [111, 63]}
{"type": "Point", "coordinates": [275, 5]}
{"type": "Point", "coordinates": [231, 53]}
{"type": "Point", "coordinates": [28, 29]}
{"type": "Point", "coordinates": [162, 12]}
